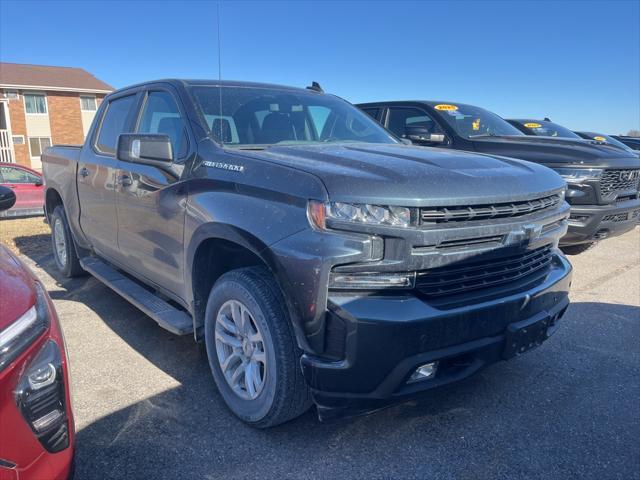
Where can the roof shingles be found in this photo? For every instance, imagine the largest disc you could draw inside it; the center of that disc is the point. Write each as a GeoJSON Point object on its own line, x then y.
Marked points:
{"type": "Point", "coordinates": [23, 75]}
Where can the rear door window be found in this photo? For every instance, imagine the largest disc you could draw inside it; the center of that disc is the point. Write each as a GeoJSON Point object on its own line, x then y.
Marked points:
{"type": "Point", "coordinates": [113, 123]}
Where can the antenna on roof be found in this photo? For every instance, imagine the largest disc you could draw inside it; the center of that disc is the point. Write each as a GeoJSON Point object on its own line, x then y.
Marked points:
{"type": "Point", "coordinates": [315, 86]}
{"type": "Point", "coordinates": [220, 137]}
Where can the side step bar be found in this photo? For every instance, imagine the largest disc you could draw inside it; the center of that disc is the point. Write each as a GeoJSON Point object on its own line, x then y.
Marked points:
{"type": "Point", "coordinates": [167, 316]}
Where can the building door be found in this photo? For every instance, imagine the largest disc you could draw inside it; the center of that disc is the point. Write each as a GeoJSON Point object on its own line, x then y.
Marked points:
{"type": "Point", "coordinates": [6, 143]}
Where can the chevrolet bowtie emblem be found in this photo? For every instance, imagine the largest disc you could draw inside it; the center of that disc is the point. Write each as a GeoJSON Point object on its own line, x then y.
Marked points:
{"type": "Point", "coordinates": [524, 235]}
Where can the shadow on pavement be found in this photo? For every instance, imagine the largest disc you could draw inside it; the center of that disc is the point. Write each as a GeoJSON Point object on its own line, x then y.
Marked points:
{"type": "Point", "coordinates": [563, 410]}
{"type": "Point", "coordinates": [560, 410]}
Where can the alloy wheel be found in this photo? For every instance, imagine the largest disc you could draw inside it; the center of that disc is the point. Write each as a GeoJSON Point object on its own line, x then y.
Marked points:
{"type": "Point", "coordinates": [240, 349]}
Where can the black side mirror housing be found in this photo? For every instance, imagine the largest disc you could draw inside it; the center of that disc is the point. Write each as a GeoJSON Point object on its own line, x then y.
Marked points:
{"type": "Point", "coordinates": [419, 134]}
{"type": "Point", "coordinates": [147, 149]}
{"type": "Point", "coordinates": [7, 198]}
{"type": "Point", "coordinates": [39, 183]}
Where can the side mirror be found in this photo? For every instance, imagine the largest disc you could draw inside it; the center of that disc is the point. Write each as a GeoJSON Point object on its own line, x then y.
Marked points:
{"type": "Point", "coordinates": [38, 183]}
{"type": "Point", "coordinates": [423, 135]}
{"type": "Point", "coordinates": [7, 198]}
{"type": "Point", "coordinates": [147, 149]}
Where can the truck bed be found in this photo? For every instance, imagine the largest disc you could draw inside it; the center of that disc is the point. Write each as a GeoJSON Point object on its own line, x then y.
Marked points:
{"type": "Point", "coordinates": [59, 165]}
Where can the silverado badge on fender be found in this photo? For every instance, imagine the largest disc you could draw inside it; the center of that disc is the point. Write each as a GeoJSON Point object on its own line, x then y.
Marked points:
{"type": "Point", "coordinates": [224, 166]}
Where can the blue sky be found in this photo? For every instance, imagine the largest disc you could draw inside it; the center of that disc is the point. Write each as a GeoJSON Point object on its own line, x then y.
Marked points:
{"type": "Point", "coordinates": [576, 62]}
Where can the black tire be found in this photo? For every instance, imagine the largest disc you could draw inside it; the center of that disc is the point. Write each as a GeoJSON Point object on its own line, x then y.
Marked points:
{"type": "Point", "coordinates": [69, 264]}
{"type": "Point", "coordinates": [285, 394]}
{"type": "Point", "coordinates": [578, 249]}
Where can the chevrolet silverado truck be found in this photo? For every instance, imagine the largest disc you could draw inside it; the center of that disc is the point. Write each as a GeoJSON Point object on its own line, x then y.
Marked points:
{"type": "Point", "coordinates": [320, 259]}
{"type": "Point", "coordinates": [602, 179]}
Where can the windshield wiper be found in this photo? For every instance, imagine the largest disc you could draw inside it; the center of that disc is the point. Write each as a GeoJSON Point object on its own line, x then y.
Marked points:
{"type": "Point", "coordinates": [249, 147]}
{"type": "Point", "coordinates": [485, 135]}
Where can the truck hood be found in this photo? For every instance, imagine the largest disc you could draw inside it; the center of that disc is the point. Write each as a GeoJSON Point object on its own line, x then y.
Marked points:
{"type": "Point", "coordinates": [414, 176]}
{"type": "Point", "coordinates": [557, 152]}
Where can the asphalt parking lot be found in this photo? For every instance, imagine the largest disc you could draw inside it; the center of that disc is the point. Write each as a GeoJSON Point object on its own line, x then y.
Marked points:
{"type": "Point", "coordinates": [146, 406]}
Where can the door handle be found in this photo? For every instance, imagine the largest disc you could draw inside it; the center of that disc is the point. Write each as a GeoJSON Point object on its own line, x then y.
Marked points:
{"type": "Point", "coordinates": [84, 172]}
{"type": "Point", "coordinates": [125, 180]}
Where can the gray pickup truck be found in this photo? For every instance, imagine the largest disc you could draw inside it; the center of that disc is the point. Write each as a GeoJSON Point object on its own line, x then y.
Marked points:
{"type": "Point", "coordinates": [319, 258]}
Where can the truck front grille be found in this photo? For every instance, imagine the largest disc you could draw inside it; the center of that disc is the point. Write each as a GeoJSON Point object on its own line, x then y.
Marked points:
{"type": "Point", "coordinates": [619, 181]}
{"type": "Point", "coordinates": [434, 215]}
{"type": "Point", "coordinates": [463, 277]}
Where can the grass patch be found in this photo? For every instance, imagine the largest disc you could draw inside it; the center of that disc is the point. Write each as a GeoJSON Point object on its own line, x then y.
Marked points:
{"type": "Point", "coordinates": [26, 236]}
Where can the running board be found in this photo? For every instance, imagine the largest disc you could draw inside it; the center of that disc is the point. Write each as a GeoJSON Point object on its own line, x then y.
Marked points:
{"type": "Point", "coordinates": [168, 317]}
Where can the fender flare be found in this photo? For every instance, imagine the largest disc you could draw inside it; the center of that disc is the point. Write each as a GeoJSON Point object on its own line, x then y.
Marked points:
{"type": "Point", "coordinates": [243, 238]}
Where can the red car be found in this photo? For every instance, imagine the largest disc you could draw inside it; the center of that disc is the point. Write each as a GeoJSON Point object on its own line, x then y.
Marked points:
{"type": "Point", "coordinates": [36, 422]}
{"type": "Point", "coordinates": [28, 187]}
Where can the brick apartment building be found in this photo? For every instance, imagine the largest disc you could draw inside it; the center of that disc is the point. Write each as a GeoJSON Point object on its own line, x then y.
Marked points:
{"type": "Point", "coordinates": [41, 106]}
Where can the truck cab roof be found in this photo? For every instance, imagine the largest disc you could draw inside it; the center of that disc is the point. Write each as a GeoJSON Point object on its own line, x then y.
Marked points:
{"type": "Point", "coordinates": [181, 82]}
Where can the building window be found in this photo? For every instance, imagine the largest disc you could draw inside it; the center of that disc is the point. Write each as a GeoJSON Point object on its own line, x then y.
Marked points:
{"type": "Point", "coordinates": [38, 144]}
{"type": "Point", "coordinates": [18, 139]}
{"type": "Point", "coordinates": [35, 103]}
{"type": "Point", "coordinates": [87, 104]}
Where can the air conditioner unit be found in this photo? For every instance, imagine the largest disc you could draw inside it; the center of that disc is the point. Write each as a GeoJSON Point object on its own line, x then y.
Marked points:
{"type": "Point", "coordinates": [10, 95]}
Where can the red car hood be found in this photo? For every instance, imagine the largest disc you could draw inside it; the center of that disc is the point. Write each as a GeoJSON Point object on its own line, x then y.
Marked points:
{"type": "Point", "coordinates": [17, 287]}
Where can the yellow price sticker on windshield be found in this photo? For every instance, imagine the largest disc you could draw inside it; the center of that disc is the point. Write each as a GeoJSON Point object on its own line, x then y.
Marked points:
{"type": "Point", "coordinates": [445, 107]}
{"type": "Point", "coordinates": [600, 139]}
{"type": "Point", "coordinates": [532, 125]}
{"type": "Point", "coordinates": [476, 124]}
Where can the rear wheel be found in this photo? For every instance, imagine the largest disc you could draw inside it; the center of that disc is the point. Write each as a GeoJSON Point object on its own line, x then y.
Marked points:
{"type": "Point", "coordinates": [64, 248]}
{"type": "Point", "coordinates": [252, 350]}
{"type": "Point", "coordinates": [578, 249]}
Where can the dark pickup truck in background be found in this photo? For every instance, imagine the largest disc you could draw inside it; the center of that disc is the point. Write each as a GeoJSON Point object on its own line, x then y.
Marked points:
{"type": "Point", "coordinates": [547, 128]}
{"type": "Point", "coordinates": [604, 138]}
{"type": "Point", "coordinates": [602, 179]}
{"type": "Point", "coordinates": [316, 255]}
{"type": "Point", "coordinates": [632, 142]}
{"type": "Point", "coordinates": [543, 128]}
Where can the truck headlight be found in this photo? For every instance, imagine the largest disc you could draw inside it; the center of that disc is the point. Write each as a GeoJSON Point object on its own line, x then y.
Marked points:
{"type": "Point", "coordinates": [358, 213]}
{"type": "Point", "coordinates": [17, 337]}
{"type": "Point", "coordinates": [40, 396]}
{"type": "Point", "coordinates": [579, 175]}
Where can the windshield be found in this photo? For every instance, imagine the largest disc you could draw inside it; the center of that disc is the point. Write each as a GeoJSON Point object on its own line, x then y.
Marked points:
{"type": "Point", "coordinates": [473, 122]}
{"type": "Point", "coordinates": [254, 117]}
{"type": "Point", "coordinates": [542, 128]}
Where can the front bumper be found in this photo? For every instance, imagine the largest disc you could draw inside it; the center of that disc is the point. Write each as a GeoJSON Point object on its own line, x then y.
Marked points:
{"type": "Point", "coordinates": [388, 337]}
{"type": "Point", "coordinates": [589, 223]}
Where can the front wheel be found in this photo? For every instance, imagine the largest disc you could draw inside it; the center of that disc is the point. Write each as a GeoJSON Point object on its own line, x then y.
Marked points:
{"type": "Point", "coordinates": [64, 249]}
{"type": "Point", "coordinates": [252, 350]}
